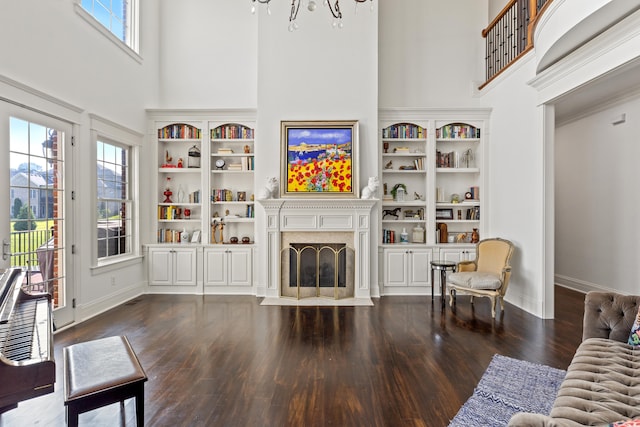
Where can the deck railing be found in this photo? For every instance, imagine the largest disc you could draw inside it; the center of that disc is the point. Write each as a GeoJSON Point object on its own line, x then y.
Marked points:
{"type": "Point", "coordinates": [24, 245]}
{"type": "Point", "coordinates": [510, 34]}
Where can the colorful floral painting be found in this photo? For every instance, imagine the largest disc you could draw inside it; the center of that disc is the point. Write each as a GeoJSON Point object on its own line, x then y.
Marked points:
{"type": "Point", "coordinates": [319, 159]}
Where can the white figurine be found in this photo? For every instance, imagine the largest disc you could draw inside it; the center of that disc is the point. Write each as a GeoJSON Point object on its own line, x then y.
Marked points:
{"type": "Point", "coordinates": [270, 191]}
{"type": "Point", "coordinates": [370, 191]}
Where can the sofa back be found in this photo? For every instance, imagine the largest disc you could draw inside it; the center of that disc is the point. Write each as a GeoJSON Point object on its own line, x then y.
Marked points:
{"type": "Point", "coordinates": [609, 315]}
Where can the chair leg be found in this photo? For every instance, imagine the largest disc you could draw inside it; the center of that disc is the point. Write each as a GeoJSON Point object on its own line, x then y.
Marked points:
{"type": "Point", "coordinates": [493, 307]}
{"type": "Point", "coordinates": [452, 296]}
{"type": "Point", "coordinates": [471, 299]}
{"type": "Point", "coordinates": [501, 303]}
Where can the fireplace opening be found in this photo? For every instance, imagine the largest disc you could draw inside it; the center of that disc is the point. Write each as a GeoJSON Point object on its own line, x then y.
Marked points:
{"type": "Point", "coordinates": [317, 270]}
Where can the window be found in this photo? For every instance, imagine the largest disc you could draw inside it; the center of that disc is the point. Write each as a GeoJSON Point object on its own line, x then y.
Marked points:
{"type": "Point", "coordinates": [119, 17]}
{"type": "Point", "coordinates": [114, 202]}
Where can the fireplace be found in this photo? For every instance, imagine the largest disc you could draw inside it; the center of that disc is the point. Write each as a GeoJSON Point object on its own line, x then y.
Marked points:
{"type": "Point", "coordinates": [295, 224]}
{"type": "Point", "coordinates": [321, 266]}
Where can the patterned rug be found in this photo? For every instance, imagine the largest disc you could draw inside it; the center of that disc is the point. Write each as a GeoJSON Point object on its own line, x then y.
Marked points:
{"type": "Point", "coordinates": [509, 386]}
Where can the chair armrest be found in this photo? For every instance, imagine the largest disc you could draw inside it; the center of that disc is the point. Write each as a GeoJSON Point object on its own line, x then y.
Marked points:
{"type": "Point", "coordinates": [467, 266]}
{"type": "Point", "coordinates": [609, 315]}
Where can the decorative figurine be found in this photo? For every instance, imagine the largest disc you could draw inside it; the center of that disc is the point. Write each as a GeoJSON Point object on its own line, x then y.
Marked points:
{"type": "Point", "coordinates": [369, 192]}
{"type": "Point", "coordinates": [270, 190]}
{"type": "Point", "coordinates": [167, 192]}
{"type": "Point", "coordinates": [217, 225]}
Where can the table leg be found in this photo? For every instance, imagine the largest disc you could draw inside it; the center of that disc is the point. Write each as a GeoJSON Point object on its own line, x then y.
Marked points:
{"type": "Point", "coordinates": [443, 285]}
{"type": "Point", "coordinates": [431, 284]}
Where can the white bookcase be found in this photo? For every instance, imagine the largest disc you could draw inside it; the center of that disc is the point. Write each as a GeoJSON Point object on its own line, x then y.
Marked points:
{"type": "Point", "coordinates": [204, 192]}
{"type": "Point", "coordinates": [438, 157]}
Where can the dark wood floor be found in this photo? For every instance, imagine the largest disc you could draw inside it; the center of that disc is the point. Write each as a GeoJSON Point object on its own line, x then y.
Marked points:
{"type": "Point", "coordinates": [227, 361]}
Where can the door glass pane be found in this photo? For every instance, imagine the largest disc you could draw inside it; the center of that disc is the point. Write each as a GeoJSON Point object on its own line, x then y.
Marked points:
{"type": "Point", "coordinates": [37, 206]}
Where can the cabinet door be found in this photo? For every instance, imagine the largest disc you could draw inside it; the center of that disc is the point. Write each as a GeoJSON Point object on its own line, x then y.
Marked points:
{"type": "Point", "coordinates": [185, 266]}
{"type": "Point", "coordinates": [420, 268]}
{"type": "Point", "coordinates": [395, 268]}
{"type": "Point", "coordinates": [458, 254]}
{"type": "Point", "coordinates": [239, 263]}
{"type": "Point", "coordinates": [215, 271]}
{"type": "Point", "coordinates": [160, 267]}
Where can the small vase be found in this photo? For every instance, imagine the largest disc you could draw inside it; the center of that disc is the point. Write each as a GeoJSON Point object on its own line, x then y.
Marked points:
{"type": "Point", "coordinates": [475, 236]}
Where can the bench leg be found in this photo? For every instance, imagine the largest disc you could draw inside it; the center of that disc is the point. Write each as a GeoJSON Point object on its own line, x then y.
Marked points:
{"type": "Point", "coordinates": [140, 406]}
{"type": "Point", "coordinates": [72, 416]}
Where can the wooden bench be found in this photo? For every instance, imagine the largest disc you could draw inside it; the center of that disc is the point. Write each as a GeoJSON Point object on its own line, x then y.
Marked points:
{"type": "Point", "coordinates": [99, 373]}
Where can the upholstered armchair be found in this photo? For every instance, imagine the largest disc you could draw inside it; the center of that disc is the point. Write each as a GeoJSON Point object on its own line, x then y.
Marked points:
{"type": "Point", "coordinates": [486, 276]}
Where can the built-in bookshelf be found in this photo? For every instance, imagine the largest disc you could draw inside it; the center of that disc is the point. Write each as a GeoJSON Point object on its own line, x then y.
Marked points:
{"type": "Point", "coordinates": [232, 182]}
{"type": "Point", "coordinates": [179, 205]}
{"type": "Point", "coordinates": [458, 177]}
{"type": "Point", "coordinates": [431, 175]}
{"type": "Point", "coordinates": [404, 151]}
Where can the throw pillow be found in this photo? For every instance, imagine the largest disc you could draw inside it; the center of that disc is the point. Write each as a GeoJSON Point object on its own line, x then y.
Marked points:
{"type": "Point", "coordinates": [634, 337]}
{"type": "Point", "coordinates": [629, 423]}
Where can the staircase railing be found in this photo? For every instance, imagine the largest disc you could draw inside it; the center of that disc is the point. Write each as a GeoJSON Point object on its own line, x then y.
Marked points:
{"type": "Point", "coordinates": [510, 35]}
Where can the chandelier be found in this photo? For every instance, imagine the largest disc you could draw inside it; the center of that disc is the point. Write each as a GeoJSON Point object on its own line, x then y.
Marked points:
{"type": "Point", "coordinates": [333, 5]}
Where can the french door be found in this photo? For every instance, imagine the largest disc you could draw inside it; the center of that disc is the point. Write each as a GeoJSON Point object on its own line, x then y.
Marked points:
{"type": "Point", "coordinates": [35, 183]}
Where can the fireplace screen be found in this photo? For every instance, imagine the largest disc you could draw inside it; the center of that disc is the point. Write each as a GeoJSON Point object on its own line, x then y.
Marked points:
{"type": "Point", "coordinates": [317, 270]}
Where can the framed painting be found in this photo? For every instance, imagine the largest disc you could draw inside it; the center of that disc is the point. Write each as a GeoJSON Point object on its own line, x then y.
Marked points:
{"type": "Point", "coordinates": [319, 159]}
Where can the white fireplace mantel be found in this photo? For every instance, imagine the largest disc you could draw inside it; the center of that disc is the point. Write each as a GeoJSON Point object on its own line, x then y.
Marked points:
{"type": "Point", "coordinates": [318, 215]}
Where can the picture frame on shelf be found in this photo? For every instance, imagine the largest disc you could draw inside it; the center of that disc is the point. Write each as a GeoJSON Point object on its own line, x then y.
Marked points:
{"type": "Point", "coordinates": [444, 213]}
{"type": "Point", "coordinates": [319, 159]}
{"type": "Point", "coordinates": [195, 237]}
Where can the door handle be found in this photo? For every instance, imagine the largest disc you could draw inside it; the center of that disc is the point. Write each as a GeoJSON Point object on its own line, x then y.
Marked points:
{"type": "Point", "coordinates": [6, 249]}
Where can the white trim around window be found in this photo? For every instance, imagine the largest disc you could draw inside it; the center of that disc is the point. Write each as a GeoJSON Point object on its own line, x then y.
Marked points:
{"type": "Point", "coordinates": [132, 48]}
{"type": "Point", "coordinates": [112, 133]}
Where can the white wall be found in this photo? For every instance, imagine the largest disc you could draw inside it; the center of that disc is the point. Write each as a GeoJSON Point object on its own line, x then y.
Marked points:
{"type": "Point", "coordinates": [208, 55]}
{"type": "Point", "coordinates": [516, 178]}
{"type": "Point", "coordinates": [431, 53]}
{"type": "Point", "coordinates": [495, 6]}
{"type": "Point", "coordinates": [48, 47]}
{"type": "Point", "coordinates": [597, 175]}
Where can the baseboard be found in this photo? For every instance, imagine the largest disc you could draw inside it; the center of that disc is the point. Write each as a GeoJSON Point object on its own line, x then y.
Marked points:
{"type": "Point", "coordinates": [87, 311]}
{"type": "Point", "coordinates": [581, 285]}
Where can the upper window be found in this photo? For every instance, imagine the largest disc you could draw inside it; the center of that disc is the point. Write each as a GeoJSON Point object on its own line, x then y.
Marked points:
{"type": "Point", "coordinates": [119, 17]}
{"type": "Point", "coordinates": [115, 205]}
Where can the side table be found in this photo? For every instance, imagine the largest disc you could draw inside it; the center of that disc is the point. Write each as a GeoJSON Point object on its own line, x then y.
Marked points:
{"type": "Point", "coordinates": [443, 267]}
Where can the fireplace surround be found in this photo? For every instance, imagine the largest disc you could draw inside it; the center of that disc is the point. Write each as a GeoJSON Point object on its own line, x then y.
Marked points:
{"type": "Point", "coordinates": [317, 221]}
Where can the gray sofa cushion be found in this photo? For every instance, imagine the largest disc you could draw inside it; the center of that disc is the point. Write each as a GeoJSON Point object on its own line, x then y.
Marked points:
{"type": "Point", "coordinates": [602, 384]}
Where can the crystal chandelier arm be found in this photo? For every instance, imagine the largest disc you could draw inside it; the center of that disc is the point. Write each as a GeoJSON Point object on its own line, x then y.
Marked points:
{"type": "Point", "coordinates": [266, 1]}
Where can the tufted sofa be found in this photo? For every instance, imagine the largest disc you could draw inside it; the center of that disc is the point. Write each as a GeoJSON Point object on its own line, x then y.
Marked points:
{"type": "Point", "coordinates": [602, 385]}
